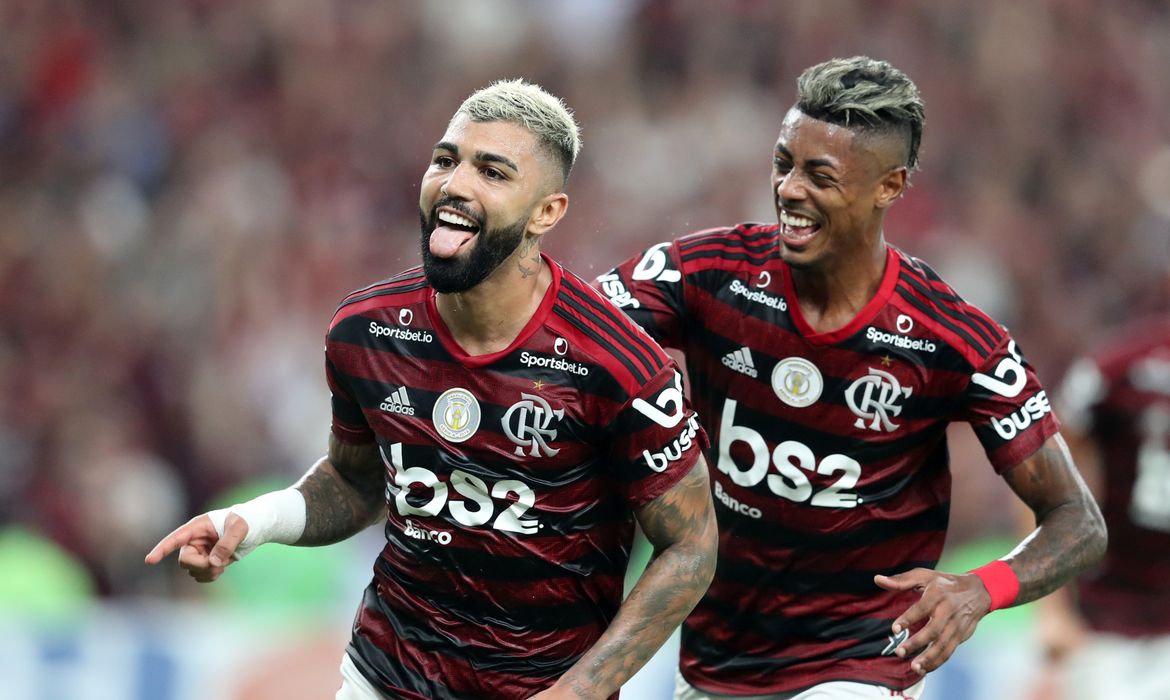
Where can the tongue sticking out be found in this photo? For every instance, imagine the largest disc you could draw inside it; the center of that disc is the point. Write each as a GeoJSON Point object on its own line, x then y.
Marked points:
{"type": "Point", "coordinates": [446, 241]}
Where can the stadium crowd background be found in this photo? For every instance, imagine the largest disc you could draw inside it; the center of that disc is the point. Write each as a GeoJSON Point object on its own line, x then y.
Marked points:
{"type": "Point", "coordinates": [188, 188]}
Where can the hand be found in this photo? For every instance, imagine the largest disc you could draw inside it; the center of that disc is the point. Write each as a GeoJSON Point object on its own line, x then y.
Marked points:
{"type": "Point", "coordinates": [202, 552]}
{"type": "Point", "coordinates": [952, 604]}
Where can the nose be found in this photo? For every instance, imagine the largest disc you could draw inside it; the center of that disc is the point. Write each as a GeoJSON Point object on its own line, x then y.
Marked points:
{"type": "Point", "coordinates": [455, 184]}
{"type": "Point", "coordinates": [790, 187]}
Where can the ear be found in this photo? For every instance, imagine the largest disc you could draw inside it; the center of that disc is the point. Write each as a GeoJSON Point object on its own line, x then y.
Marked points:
{"type": "Point", "coordinates": [547, 212]}
{"type": "Point", "coordinates": [891, 186]}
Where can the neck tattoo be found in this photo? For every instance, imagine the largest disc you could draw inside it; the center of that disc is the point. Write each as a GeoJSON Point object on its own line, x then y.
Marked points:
{"type": "Point", "coordinates": [529, 246]}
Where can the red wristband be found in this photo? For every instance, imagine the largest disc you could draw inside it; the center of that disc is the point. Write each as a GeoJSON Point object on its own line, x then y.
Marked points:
{"type": "Point", "coordinates": [1000, 581]}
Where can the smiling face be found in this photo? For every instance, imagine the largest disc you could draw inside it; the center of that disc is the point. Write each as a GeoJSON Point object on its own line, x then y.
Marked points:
{"type": "Point", "coordinates": [485, 183]}
{"type": "Point", "coordinates": [832, 185]}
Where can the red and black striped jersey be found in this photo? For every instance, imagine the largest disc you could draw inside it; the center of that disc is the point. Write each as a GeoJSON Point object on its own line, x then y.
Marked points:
{"type": "Point", "coordinates": [1120, 399]}
{"type": "Point", "coordinates": [829, 449]}
{"type": "Point", "coordinates": [511, 482]}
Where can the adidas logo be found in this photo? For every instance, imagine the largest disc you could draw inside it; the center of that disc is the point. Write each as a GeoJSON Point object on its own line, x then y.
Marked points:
{"type": "Point", "coordinates": [741, 361]}
{"type": "Point", "coordinates": [398, 402]}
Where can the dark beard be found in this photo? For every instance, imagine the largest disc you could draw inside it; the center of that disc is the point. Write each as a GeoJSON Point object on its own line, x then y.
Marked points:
{"type": "Point", "coordinates": [459, 274]}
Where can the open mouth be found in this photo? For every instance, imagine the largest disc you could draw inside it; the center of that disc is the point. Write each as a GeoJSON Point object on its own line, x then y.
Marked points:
{"type": "Point", "coordinates": [796, 229]}
{"type": "Point", "coordinates": [451, 233]}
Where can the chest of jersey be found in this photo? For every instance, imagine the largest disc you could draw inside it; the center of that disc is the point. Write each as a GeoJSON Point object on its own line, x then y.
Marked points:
{"type": "Point", "coordinates": [750, 348]}
{"type": "Point", "coordinates": [822, 422]}
{"type": "Point", "coordinates": [485, 447]}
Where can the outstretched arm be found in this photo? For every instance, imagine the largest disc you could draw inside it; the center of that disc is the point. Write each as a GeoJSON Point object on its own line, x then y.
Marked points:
{"type": "Point", "coordinates": [680, 524]}
{"type": "Point", "coordinates": [340, 495]}
{"type": "Point", "coordinates": [344, 492]}
{"type": "Point", "coordinates": [1069, 538]}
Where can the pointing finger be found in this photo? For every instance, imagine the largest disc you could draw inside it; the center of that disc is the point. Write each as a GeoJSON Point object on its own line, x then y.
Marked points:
{"type": "Point", "coordinates": [182, 535]}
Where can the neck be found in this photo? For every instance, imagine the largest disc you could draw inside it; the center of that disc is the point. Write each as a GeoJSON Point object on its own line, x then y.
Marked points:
{"type": "Point", "coordinates": [488, 317]}
{"type": "Point", "coordinates": [831, 295]}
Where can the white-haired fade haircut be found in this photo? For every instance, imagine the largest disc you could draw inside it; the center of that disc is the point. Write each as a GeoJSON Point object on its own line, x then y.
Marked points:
{"type": "Point", "coordinates": [531, 106]}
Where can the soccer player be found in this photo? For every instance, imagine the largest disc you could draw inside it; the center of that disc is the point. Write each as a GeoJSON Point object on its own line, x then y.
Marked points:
{"type": "Point", "coordinates": [827, 365]}
{"type": "Point", "coordinates": [1113, 639]}
{"type": "Point", "coordinates": [511, 425]}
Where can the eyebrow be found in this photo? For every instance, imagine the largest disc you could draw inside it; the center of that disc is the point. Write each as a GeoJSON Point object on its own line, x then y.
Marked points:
{"type": "Point", "coordinates": [482, 156]}
{"type": "Point", "coordinates": [811, 162]}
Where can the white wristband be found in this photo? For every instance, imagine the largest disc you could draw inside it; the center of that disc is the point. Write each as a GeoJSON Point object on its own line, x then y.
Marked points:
{"type": "Point", "coordinates": [277, 516]}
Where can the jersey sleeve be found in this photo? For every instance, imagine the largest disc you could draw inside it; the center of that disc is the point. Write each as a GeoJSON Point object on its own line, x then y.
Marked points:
{"type": "Point", "coordinates": [1008, 409]}
{"type": "Point", "coordinates": [349, 422]}
{"type": "Point", "coordinates": [649, 289]}
{"type": "Point", "coordinates": [655, 439]}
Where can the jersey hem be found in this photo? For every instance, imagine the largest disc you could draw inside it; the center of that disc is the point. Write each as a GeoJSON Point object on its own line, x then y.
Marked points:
{"type": "Point", "coordinates": [725, 689]}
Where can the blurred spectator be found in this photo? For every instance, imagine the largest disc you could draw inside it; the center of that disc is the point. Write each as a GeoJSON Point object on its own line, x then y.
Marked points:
{"type": "Point", "coordinates": [172, 174]}
{"type": "Point", "coordinates": [1105, 634]}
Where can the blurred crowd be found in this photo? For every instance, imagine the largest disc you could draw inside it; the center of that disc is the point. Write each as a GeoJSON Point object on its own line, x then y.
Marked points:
{"type": "Point", "coordinates": [188, 188]}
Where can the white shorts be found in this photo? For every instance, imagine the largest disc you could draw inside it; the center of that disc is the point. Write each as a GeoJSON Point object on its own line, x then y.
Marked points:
{"type": "Point", "coordinates": [833, 690]}
{"type": "Point", "coordinates": [354, 685]}
{"type": "Point", "coordinates": [1110, 666]}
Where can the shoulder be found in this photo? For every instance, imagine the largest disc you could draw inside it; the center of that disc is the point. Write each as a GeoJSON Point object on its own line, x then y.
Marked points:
{"type": "Point", "coordinates": [609, 337]}
{"type": "Point", "coordinates": [716, 247]}
{"type": "Point", "coordinates": [963, 326]}
{"type": "Point", "coordinates": [404, 288]}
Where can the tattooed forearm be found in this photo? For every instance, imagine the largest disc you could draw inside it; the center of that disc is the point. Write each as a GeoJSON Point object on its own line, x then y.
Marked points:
{"type": "Point", "coordinates": [681, 526]}
{"type": "Point", "coordinates": [344, 493]}
{"type": "Point", "coordinates": [1070, 533]}
{"type": "Point", "coordinates": [529, 259]}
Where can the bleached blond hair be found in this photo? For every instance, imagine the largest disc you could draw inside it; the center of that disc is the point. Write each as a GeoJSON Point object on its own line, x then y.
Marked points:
{"type": "Point", "coordinates": [531, 106]}
{"type": "Point", "coordinates": [864, 94]}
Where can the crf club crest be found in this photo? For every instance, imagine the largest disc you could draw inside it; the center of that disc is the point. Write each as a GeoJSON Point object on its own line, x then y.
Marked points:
{"type": "Point", "coordinates": [529, 424]}
{"type": "Point", "coordinates": [874, 400]}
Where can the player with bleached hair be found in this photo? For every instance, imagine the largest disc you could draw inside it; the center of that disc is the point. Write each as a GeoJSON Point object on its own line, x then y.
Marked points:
{"type": "Point", "coordinates": [511, 427]}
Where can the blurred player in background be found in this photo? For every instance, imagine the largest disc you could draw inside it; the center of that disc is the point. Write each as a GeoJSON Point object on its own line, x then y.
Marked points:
{"type": "Point", "coordinates": [827, 365]}
{"type": "Point", "coordinates": [1112, 640]}
{"type": "Point", "coordinates": [511, 425]}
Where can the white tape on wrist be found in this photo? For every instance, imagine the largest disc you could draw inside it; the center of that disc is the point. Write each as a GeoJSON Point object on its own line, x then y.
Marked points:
{"type": "Point", "coordinates": [277, 516]}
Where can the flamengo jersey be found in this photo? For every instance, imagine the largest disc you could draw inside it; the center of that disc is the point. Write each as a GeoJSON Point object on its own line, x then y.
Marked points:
{"type": "Point", "coordinates": [828, 450]}
{"type": "Point", "coordinates": [1121, 399]}
{"type": "Point", "coordinates": [511, 480]}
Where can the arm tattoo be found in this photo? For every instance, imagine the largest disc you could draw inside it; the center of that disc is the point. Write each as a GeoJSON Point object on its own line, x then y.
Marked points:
{"type": "Point", "coordinates": [1070, 533]}
{"type": "Point", "coordinates": [680, 525]}
{"type": "Point", "coordinates": [344, 493]}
